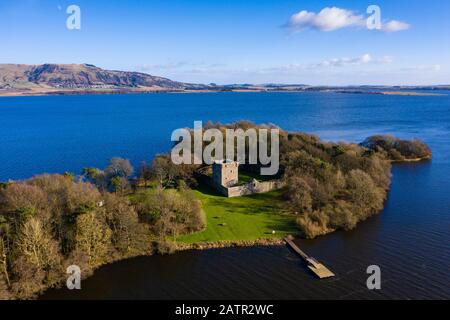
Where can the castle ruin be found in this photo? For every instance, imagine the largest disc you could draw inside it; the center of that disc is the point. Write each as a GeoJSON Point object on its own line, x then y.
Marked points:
{"type": "Point", "coordinates": [225, 179]}
{"type": "Point", "coordinates": [225, 173]}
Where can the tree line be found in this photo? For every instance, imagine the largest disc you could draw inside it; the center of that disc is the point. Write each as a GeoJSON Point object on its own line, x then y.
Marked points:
{"type": "Point", "coordinates": [332, 186]}
{"type": "Point", "coordinates": [52, 221]}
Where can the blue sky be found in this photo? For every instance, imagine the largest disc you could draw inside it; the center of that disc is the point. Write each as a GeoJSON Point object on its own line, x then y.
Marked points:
{"type": "Point", "coordinates": [238, 41]}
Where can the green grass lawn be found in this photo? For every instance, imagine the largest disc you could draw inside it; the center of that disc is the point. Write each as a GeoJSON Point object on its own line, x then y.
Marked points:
{"type": "Point", "coordinates": [242, 218]}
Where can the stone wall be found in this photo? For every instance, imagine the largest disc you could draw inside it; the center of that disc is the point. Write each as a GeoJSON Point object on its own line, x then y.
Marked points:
{"type": "Point", "coordinates": [252, 188]}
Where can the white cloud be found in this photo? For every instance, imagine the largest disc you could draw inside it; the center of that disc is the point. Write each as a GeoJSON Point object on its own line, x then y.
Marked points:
{"type": "Point", "coordinates": [328, 19]}
{"type": "Point", "coordinates": [365, 58]}
{"type": "Point", "coordinates": [394, 26]}
{"type": "Point", "coordinates": [334, 18]}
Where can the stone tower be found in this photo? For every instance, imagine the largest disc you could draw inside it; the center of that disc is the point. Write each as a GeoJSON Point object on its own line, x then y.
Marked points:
{"type": "Point", "coordinates": [225, 173]}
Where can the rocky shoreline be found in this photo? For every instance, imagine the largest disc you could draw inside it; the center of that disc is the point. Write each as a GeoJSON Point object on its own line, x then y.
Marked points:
{"type": "Point", "coordinates": [229, 244]}
{"type": "Point", "coordinates": [411, 160]}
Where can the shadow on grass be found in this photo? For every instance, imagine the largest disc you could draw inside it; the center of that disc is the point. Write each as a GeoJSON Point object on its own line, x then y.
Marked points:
{"type": "Point", "coordinates": [210, 191]}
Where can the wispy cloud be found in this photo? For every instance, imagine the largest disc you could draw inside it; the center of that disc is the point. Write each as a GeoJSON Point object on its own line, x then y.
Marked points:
{"type": "Point", "coordinates": [425, 68]}
{"type": "Point", "coordinates": [187, 68]}
{"type": "Point", "coordinates": [365, 59]}
{"type": "Point", "coordinates": [334, 18]}
{"type": "Point", "coordinates": [394, 26]}
{"type": "Point", "coordinates": [178, 65]}
{"type": "Point", "coordinates": [357, 69]}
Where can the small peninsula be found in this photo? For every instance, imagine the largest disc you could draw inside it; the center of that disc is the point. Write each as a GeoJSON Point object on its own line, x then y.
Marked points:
{"type": "Point", "coordinates": [104, 215]}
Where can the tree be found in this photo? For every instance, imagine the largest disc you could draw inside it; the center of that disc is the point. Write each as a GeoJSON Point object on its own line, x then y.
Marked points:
{"type": "Point", "coordinates": [64, 201]}
{"type": "Point", "coordinates": [49, 218]}
{"type": "Point", "coordinates": [119, 167]}
{"type": "Point", "coordinates": [22, 201]}
{"type": "Point", "coordinates": [29, 279]}
{"type": "Point", "coordinates": [93, 237]}
{"type": "Point", "coordinates": [396, 149]}
{"type": "Point", "coordinates": [164, 171]}
{"type": "Point", "coordinates": [118, 173]}
{"type": "Point", "coordinates": [36, 245]}
{"type": "Point", "coordinates": [97, 177]}
{"type": "Point", "coordinates": [145, 173]}
{"type": "Point", "coordinates": [166, 224]}
{"type": "Point", "coordinates": [129, 236]}
{"type": "Point", "coordinates": [313, 224]}
{"type": "Point", "coordinates": [366, 197]}
{"type": "Point", "coordinates": [333, 185]}
{"type": "Point", "coordinates": [37, 263]}
{"type": "Point", "coordinates": [119, 184]}
{"type": "Point", "coordinates": [342, 215]}
{"type": "Point", "coordinates": [4, 253]}
{"type": "Point", "coordinates": [168, 174]}
{"type": "Point", "coordinates": [5, 294]}
{"type": "Point", "coordinates": [298, 193]}
{"type": "Point", "coordinates": [171, 212]}
{"type": "Point", "coordinates": [90, 173]}
{"type": "Point", "coordinates": [69, 175]}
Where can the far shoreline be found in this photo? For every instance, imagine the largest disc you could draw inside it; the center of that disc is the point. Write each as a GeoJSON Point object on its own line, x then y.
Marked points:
{"type": "Point", "coordinates": [162, 91]}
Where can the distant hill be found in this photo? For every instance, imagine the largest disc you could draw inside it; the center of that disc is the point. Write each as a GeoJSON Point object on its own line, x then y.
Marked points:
{"type": "Point", "coordinates": [51, 78]}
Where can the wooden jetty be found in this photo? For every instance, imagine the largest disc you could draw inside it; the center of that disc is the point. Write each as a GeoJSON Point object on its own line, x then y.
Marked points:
{"type": "Point", "coordinates": [319, 269]}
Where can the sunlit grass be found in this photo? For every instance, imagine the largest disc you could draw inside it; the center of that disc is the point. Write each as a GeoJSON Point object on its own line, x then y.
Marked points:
{"type": "Point", "coordinates": [242, 218]}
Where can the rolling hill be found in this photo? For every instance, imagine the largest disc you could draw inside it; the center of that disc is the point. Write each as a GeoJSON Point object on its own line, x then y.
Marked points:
{"type": "Point", "coordinates": [66, 78]}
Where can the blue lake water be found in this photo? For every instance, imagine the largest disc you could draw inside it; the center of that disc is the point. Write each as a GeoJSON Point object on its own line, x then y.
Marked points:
{"type": "Point", "coordinates": [66, 133]}
{"type": "Point", "coordinates": [409, 240]}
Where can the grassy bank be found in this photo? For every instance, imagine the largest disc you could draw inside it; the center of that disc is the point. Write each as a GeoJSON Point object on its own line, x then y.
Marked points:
{"type": "Point", "coordinates": [243, 218]}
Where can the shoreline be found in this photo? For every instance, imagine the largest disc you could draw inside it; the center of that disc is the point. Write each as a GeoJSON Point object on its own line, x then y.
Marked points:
{"type": "Point", "coordinates": [411, 160]}
{"type": "Point", "coordinates": [193, 91]}
{"type": "Point", "coordinates": [221, 244]}
{"type": "Point", "coordinates": [180, 247]}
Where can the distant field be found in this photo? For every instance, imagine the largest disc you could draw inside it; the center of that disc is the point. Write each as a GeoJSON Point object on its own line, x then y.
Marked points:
{"type": "Point", "coordinates": [409, 93]}
{"type": "Point", "coordinates": [243, 218]}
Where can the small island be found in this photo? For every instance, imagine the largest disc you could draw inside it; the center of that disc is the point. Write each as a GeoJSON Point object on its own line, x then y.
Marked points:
{"type": "Point", "coordinates": [104, 215]}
